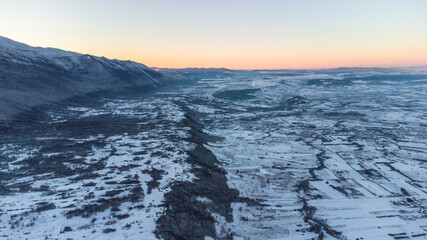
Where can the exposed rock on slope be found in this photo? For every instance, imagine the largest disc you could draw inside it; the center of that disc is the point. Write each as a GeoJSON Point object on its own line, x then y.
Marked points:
{"type": "Point", "coordinates": [33, 76]}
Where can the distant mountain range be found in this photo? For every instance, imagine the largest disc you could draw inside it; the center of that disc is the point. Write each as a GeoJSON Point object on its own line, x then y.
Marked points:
{"type": "Point", "coordinates": [34, 76]}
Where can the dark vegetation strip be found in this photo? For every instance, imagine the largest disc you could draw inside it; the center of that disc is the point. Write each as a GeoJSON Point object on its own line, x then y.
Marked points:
{"type": "Point", "coordinates": [185, 217]}
{"type": "Point", "coordinates": [317, 225]}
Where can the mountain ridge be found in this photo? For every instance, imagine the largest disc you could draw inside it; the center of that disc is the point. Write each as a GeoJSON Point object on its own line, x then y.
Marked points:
{"type": "Point", "coordinates": [34, 76]}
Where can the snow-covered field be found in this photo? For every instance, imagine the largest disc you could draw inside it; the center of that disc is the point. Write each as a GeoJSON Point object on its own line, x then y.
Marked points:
{"type": "Point", "coordinates": [327, 157]}
{"type": "Point", "coordinates": [306, 155]}
{"type": "Point", "coordinates": [99, 170]}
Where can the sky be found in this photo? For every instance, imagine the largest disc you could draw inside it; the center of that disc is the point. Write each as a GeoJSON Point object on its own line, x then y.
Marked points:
{"type": "Point", "coordinates": [236, 34]}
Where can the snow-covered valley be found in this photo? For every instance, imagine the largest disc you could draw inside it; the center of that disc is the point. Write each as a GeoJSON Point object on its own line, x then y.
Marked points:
{"type": "Point", "coordinates": [337, 154]}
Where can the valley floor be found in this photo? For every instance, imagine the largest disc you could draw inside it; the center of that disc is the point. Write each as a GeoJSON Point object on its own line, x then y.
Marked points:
{"type": "Point", "coordinates": [254, 155]}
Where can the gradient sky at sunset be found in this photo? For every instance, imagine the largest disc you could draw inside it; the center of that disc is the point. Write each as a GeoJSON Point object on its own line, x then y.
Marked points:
{"type": "Point", "coordinates": [238, 34]}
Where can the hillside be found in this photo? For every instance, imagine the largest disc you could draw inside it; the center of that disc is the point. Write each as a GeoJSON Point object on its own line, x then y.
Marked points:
{"type": "Point", "coordinates": [33, 76]}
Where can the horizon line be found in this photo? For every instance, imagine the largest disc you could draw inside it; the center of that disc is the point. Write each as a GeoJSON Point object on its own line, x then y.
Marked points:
{"type": "Point", "coordinates": [293, 69]}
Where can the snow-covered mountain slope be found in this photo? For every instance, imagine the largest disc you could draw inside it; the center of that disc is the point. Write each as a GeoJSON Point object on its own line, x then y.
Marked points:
{"type": "Point", "coordinates": [32, 76]}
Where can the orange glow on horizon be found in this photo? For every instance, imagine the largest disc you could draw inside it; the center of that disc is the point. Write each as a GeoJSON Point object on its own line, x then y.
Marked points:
{"type": "Point", "coordinates": [315, 61]}
{"type": "Point", "coordinates": [300, 57]}
{"type": "Point", "coordinates": [369, 59]}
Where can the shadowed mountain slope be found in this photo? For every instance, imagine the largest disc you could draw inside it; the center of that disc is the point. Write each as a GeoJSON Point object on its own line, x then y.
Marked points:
{"type": "Point", "coordinates": [33, 76]}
